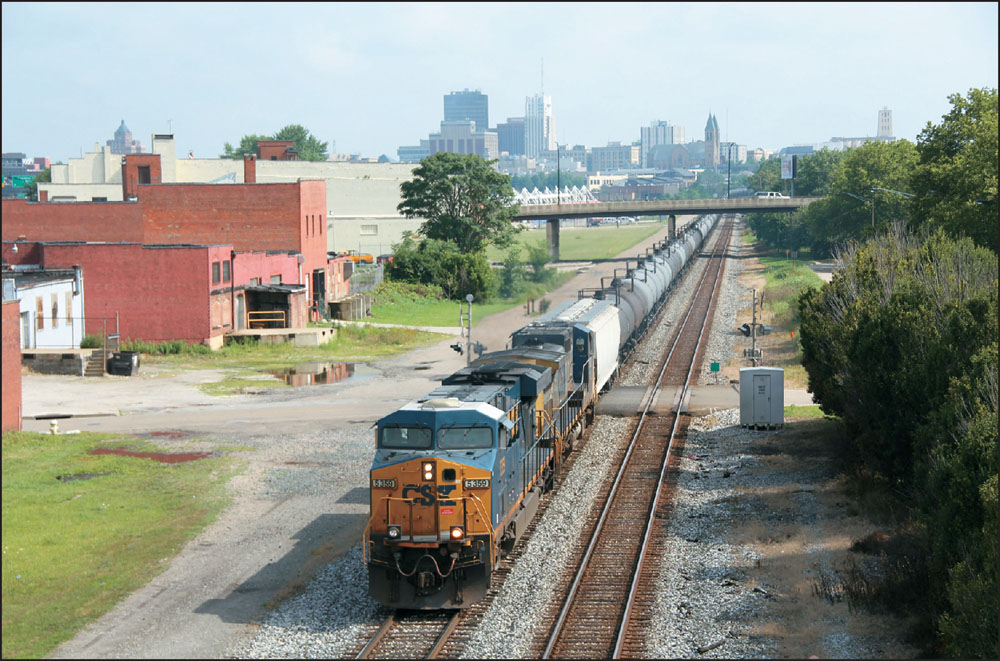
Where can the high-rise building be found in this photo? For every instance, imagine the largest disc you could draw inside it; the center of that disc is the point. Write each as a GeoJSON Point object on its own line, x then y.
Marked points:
{"type": "Point", "coordinates": [461, 137]}
{"type": "Point", "coordinates": [539, 125]}
{"type": "Point", "coordinates": [468, 105]}
{"type": "Point", "coordinates": [657, 133]}
{"type": "Point", "coordinates": [510, 136]}
{"type": "Point", "coordinates": [884, 123]}
{"type": "Point", "coordinates": [615, 156]}
{"type": "Point", "coordinates": [712, 142]}
{"type": "Point", "coordinates": [123, 142]}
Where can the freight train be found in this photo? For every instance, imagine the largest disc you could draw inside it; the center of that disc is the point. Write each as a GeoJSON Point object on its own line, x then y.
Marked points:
{"type": "Point", "coordinates": [458, 474]}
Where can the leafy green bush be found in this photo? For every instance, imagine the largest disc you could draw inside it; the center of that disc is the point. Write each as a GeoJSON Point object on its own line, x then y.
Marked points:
{"type": "Point", "coordinates": [512, 275]}
{"type": "Point", "coordinates": [443, 264]}
{"type": "Point", "coordinates": [902, 346]}
{"type": "Point", "coordinates": [395, 291]}
{"type": "Point", "coordinates": [92, 342]}
{"type": "Point", "coordinates": [538, 257]}
{"type": "Point", "coordinates": [170, 347]}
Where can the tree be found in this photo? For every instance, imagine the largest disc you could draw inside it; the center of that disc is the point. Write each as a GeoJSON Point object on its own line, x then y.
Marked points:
{"type": "Point", "coordinates": [956, 179]}
{"type": "Point", "coordinates": [247, 147]}
{"type": "Point", "coordinates": [308, 146]}
{"type": "Point", "coordinates": [442, 263]}
{"type": "Point", "coordinates": [462, 199]}
{"type": "Point", "coordinates": [814, 171]}
{"type": "Point", "coordinates": [862, 179]}
{"type": "Point", "coordinates": [44, 176]}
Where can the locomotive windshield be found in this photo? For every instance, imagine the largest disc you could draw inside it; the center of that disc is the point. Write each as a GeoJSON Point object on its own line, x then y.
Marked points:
{"type": "Point", "coordinates": [413, 438]}
{"type": "Point", "coordinates": [465, 438]}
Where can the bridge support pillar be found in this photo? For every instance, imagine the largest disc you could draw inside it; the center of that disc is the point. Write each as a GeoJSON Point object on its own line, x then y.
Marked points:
{"type": "Point", "coordinates": [552, 237]}
{"type": "Point", "coordinates": [672, 227]}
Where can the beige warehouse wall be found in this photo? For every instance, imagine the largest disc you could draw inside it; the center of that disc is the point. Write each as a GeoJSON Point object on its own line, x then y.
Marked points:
{"type": "Point", "coordinates": [352, 189]}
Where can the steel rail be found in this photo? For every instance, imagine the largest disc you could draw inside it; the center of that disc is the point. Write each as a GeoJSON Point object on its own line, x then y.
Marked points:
{"type": "Point", "coordinates": [595, 535]}
{"type": "Point", "coordinates": [623, 626]}
{"type": "Point", "coordinates": [443, 638]}
{"type": "Point", "coordinates": [389, 621]}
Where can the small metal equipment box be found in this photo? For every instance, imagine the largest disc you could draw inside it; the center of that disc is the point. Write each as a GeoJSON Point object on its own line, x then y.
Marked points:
{"type": "Point", "coordinates": [762, 397]}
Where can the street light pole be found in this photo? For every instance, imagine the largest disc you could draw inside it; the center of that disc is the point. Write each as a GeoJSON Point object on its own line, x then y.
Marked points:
{"type": "Point", "coordinates": [729, 164]}
{"type": "Point", "coordinates": [870, 201]}
{"type": "Point", "coordinates": [558, 177]}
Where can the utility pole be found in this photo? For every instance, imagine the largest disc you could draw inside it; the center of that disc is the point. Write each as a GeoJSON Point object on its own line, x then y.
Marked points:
{"type": "Point", "coordinates": [468, 332]}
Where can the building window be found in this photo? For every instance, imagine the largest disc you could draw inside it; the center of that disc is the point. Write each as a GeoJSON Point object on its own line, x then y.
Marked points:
{"type": "Point", "coordinates": [69, 308]}
{"type": "Point", "coordinates": [369, 230]}
{"type": "Point", "coordinates": [226, 274]}
{"type": "Point", "coordinates": [55, 310]}
{"type": "Point", "coordinates": [216, 273]}
{"type": "Point", "coordinates": [254, 282]}
{"type": "Point", "coordinates": [144, 174]}
{"type": "Point", "coordinates": [40, 314]}
{"type": "Point", "coordinates": [276, 279]}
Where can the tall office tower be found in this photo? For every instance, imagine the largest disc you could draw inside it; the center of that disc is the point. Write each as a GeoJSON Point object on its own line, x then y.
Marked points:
{"type": "Point", "coordinates": [468, 105]}
{"type": "Point", "coordinates": [712, 142]}
{"type": "Point", "coordinates": [657, 133]}
{"type": "Point", "coordinates": [884, 123]}
{"type": "Point", "coordinates": [510, 136]}
{"type": "Point", "coordinates": [539, 125]}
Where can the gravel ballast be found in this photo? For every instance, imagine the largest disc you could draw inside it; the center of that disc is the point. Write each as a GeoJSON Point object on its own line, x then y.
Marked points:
{"type": "Point", "coordinates": [711, 601]}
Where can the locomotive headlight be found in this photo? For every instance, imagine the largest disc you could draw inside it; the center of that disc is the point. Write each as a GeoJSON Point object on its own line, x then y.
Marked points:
{"type": "Point", "coordinates": [394, 532]}
{"type": "Point", "coordinates": [457, 533]}
{"type": "Point", "coordinates": [428, 471]}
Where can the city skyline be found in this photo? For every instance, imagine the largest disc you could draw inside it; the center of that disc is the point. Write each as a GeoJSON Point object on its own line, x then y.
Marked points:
{"type": "Point", "coordinates": [371, 77]}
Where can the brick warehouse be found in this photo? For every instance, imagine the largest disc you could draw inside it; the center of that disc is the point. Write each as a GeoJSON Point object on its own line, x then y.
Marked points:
{"type": "Point", "coordinates": [11, 418]}
{"type": "Point", "coordinates": [249, 217]}
{"type": "Point", "coordinates": [196, 302]}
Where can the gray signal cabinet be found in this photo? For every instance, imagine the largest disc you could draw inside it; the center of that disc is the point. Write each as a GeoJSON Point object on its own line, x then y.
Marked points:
{"type": "Point", "coordinates": [762, 397]}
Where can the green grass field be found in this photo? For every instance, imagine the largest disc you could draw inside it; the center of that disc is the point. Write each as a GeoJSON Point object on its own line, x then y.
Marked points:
{"type": "Point", "coordinates": [585, 243]}
{"type": "Point", "coordinates": [82, 531]}
{"type": "Point", "coordinates": [415, 311]}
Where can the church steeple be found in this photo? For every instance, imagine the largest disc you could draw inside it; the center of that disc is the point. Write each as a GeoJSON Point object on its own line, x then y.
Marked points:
{"type": "Point", "coordinates": [712, 140]}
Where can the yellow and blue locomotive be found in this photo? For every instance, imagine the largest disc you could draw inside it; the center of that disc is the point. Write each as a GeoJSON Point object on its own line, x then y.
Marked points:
{"type": "Point", "coordinates": [458, 474]}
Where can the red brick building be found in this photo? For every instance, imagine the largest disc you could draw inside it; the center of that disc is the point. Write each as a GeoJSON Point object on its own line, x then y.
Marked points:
{"type": "Point", "coordinates": [249, 217]}
{"type": "Point", "coordinates": [178, 292]}
{"type": "Point", "coordinates": [11, 357]}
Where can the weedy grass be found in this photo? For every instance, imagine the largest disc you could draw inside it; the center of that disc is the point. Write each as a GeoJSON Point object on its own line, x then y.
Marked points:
{"type": "Point", "coordinates": [785, 280]}
{"type": "Point", "coordinates": [430, 311]}
{"type": "Point", "coordinates": [82, 531]}
{"type": "Point", "coordinates": [585, 243]}
{"type": "Point", "coordinates": [803, 413]}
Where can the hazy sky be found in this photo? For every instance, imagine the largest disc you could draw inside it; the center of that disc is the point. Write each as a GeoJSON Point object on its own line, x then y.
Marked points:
{"type": "Point", "coordinates": [372, 76]}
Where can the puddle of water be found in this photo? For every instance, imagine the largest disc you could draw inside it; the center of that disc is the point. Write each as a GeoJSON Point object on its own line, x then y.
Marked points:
{"type": "Point", "coordinates": [319, 374]}
{"type": "Point", "coordinates": [163, 457]}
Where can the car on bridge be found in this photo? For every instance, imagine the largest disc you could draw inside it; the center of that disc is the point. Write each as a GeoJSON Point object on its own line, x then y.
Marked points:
{"type": "Point", "coordinates": [771, 195]}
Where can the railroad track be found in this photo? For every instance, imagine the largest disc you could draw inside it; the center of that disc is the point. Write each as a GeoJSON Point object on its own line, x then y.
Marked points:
{"type": "Point", "coordinates": [445, 634]}
{"type": "Point", "coordinates": [410, 635]}
{"type": "Point", "coordinates": [608, 600]}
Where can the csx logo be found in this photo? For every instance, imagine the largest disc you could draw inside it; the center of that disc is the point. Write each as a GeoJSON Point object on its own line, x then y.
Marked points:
{"type": "Point", "coordinates": [423, 494]}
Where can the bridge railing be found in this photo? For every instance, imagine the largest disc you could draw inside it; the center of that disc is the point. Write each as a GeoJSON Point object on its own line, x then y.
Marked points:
{"type": "Point", "coordinates": [658, 207]}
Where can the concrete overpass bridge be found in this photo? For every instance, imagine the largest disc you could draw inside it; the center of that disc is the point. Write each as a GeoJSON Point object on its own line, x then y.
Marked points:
{"type": "Point", "coordinates": [555, 212]}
